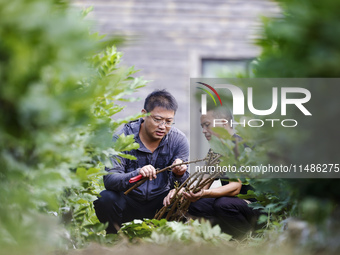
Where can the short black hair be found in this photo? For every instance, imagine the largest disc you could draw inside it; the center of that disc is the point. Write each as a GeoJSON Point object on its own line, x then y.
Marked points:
{"type": "Point", "coordinates": [160, 98]}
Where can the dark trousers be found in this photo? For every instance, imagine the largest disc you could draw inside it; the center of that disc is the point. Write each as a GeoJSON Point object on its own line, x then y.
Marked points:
{"type": "Point", "coordinates": [233, 214]}
{"type": "Point", "coordinates": [116, 208]}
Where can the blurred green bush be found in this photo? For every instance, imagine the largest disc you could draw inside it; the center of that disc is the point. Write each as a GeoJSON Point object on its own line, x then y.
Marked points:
{"type": "Point", "coordinates": [302, 42]}
{"type": "Point", "coordinates": [59, 87]}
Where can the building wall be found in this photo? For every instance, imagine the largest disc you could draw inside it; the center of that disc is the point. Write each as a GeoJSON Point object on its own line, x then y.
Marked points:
{"type": "Point", "coordinates": [167, 39]}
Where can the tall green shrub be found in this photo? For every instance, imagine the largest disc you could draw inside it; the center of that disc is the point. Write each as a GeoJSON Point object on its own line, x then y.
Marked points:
{"type": "Point", "coordinates": [303, 43]}
{"type": "Point", "coordinates": [57, 92]}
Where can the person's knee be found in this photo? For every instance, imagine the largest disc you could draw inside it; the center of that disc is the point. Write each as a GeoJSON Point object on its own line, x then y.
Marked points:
{"type": "Point", "coordinates": [195, 209]}
{"type": "Point", "coordinates": [109, 208]}
{"type": "Point", "coordinates": [107, 198]}
{"type": "Point", "coordinates": [222, 206]}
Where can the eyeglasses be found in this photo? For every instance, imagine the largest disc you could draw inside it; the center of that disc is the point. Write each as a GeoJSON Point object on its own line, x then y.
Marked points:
{"type": "Point", "coordinates": [160, 121]}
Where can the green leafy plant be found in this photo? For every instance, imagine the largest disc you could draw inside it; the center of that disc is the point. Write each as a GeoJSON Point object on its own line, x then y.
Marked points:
{"type": "Point", "coordinates": [302, 43]}
{"type": "Point", "coordinates": [58, 92]}
{"type": "Point", "coordinates": [78, 200]}
{"type": "Point", "coordinates": [165, 232]}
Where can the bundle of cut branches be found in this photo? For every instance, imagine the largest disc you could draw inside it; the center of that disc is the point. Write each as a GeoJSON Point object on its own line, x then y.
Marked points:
{"type": "Point", "coordinates": [177, 210]}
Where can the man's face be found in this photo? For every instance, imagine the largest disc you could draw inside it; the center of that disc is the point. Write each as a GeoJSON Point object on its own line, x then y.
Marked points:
{"type": "Point", "coordinates": [158, 123]}
{"type": "Point", "coordinates": [207, 122]}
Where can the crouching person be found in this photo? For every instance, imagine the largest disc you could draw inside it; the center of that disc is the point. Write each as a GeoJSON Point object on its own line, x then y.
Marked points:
{"type": "Point", "coordinates": [220, 205]}
{"type": "Point", "coordinates": [161, 145]}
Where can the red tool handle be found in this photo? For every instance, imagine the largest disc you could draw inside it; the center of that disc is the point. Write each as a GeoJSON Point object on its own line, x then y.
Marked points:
{"type": "Point", "coordinates": [136, 178]}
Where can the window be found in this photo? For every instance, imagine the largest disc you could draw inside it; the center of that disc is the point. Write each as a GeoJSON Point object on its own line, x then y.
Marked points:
{"type": "Point", "coordinates": [212, 68]}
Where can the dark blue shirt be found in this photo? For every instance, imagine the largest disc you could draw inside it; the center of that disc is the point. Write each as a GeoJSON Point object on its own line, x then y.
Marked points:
{"type": "Point", "coordinates": [174, 145]}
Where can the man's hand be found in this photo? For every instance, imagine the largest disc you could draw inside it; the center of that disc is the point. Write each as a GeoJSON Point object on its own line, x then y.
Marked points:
{"type": "Point", "coordinates": [166, 200]}
{"type": "Point", "coordinates": [148, 171]}
{"type": "Point", "coordinates": [193, 197]}
{"type": "Point", "coordinates": [179, 170]}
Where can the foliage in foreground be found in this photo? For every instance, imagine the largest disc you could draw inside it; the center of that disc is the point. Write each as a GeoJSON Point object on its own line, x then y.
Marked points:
{"type": "Point", "coordinates": [303, 43]}
{"type": "Point", "coordinates": [77, 201]}
{"type": "Point", "coordinates": [58, 90]}
{"type": "Point", "coordinates": [165, 232]}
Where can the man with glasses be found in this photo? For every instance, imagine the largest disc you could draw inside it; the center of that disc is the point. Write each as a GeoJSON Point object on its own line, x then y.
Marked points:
{"type": "Point", "coordinates": [161, 145]}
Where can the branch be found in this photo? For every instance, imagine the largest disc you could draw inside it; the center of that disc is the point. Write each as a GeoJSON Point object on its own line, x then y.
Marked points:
{"type": "Point", "coordinates": [160, 171]}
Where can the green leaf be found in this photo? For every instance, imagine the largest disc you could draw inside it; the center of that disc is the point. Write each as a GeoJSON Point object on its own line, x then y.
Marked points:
{"type": "Point", "coordinates": [222, 132]}
{"type": "Point", "coordinates": [250, 194]}
{"type": "Point", "coordinates": [125, 143]}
